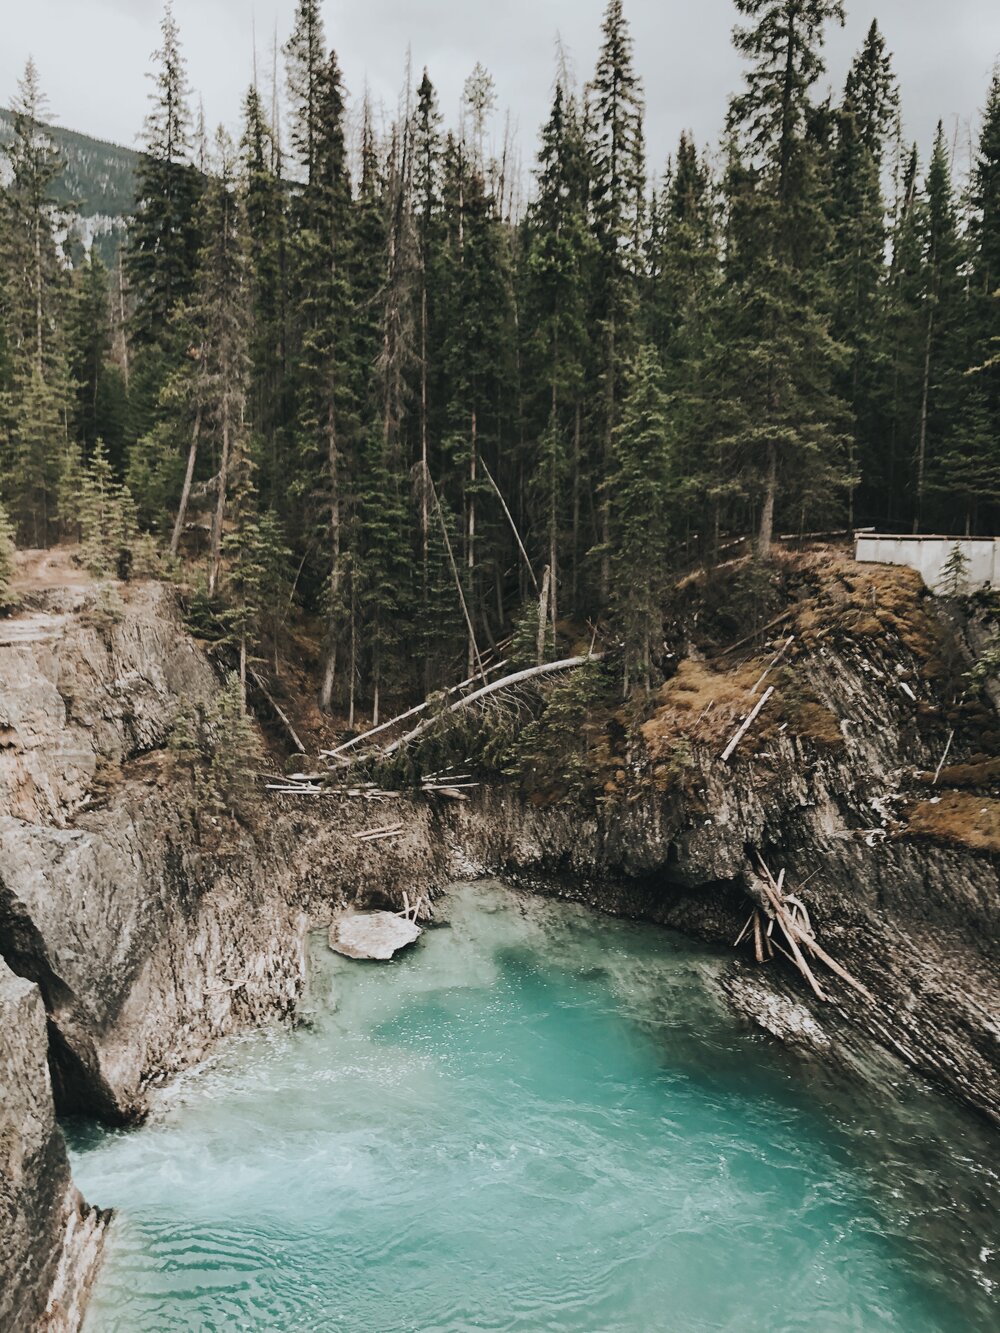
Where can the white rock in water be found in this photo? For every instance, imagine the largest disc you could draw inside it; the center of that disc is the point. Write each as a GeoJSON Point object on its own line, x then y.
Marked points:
{"type": "Point", "coordinates": [377, 935]}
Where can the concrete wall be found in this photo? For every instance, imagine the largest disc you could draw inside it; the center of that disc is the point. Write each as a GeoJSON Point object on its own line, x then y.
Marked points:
{"type": "Point", "coordinates": [929, 555]}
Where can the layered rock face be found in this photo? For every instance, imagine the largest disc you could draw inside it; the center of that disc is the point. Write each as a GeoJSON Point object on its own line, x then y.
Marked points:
{"type": "Point", "coordinates": [50, 1241]}
{"type": "Point", "coordinates": [147, 943]}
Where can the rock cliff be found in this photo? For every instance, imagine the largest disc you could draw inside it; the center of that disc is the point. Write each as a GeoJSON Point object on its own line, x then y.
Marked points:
{"type": "Point", "coordinates": [143, 927]}
{"type": "Point", "coordinates": [51, 1240]}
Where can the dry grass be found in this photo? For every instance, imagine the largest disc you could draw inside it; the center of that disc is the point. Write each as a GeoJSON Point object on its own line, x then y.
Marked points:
{"type": "Point", "coordinates": [980, 771]}
{"type": "Point", "coordinates": [866, 601]}
{"type": "Point", "coordinates": [815, 722]}
{"type": "Point", "coordinates": [700, 706]}
{"type": "Point", "coordinates": [704, 706]}
{"type": "Point", "coordinates": [959, 819]}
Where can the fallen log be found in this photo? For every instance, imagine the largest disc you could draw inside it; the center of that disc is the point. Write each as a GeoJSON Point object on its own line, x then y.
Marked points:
{"type": "Point", "coordinates": [279, 712]}
{"type": "Point", "coordinates": [798, 935]}
{"type": "Point", "coordinates": [742, 643]}
{"type": "Point", "coordinates": [386, 831]}
{"type": "Point", "coordinates": [730, 749]}
{"type": "Point", "coordinates": [785, 647]}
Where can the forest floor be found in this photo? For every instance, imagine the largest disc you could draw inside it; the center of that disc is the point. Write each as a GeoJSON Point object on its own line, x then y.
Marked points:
{"type": "Point", "coordinates": [49, 569]}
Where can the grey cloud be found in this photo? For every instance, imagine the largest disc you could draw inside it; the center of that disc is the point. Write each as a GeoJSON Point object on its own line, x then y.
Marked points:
{"type": "Point", "coordinates": [93, 55]}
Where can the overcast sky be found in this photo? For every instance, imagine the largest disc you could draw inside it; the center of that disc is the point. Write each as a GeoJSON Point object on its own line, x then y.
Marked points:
{"type": "Point", "coordinates": [93, 55]}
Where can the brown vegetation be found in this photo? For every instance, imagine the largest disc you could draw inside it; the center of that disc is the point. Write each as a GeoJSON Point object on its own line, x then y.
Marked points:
{"type": "Point", "coordinates": [980, 771]}
{"type": "Point", "coordinates": [958, 819]}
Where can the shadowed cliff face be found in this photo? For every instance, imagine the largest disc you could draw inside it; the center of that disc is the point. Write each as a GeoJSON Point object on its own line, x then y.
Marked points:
{"type": "Point", "coordinates": [51, 1240]}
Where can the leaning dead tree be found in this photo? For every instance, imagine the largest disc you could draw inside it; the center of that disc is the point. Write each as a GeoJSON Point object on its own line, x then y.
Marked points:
{"type": "Point", "coordinates": [384, 741]}
{"type": "Point", "coordinates": [495, 687]}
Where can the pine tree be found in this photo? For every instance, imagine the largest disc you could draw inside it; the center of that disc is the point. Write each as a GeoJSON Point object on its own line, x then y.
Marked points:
{"type": "Point", "coordinates": [866, 118]}
{"type": "Point", "coordinates": [477, 353]}
{"type": "Point", "coordinates": [617, 167]}
{"type": "Point", "coordinates": [267, 271]}
{"type": "Point", "coordinates": [984, 309]}
{"type": "Point", "coordinates": [9, 599]}
{"type": "Point", "coordinates": [777, 360]}
{"type": "Point", "coordinates": [35, 285]}
{"type": "Point", "coordinates": [100, 406]}
{"type": "Point", "coordinates": [163, 234]}
{"type": "Point", "coordinates": [204, 399]}
{"type": "Point", "coordinates": [245, 570]}
{"type": "Point", "coordinates": [681, 293]}
{"type": "Point", "coordinates": [559, 255]}
{"type": "Point", "coordinates": [955, 575]}
{"type": "Point", "coordinates": [102, 518]}
{"type": "Point", "coordinates": [944, 391]}
{"type": "Point", "coordinates": [640, 502]}
{"type": "Point", "coordinates": [325, 383]}
{"type": "Point", "coordinates": [34, 300]}
{"type": "Point", "coordinates": [895, 396]}
{"type": "Point", "coordinates": [380, 569]}
{"type": "Point", "coordinates": [308, 72]}
{"type": "Point", "coordinates": [234, 749]}
{"type": "Point", "coordinates": [426, 206]}
{"type": "Point", "coordinates": [37, 437]}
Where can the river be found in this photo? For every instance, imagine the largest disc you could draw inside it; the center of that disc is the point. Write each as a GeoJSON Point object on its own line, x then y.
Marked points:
{"type": "Point", "coordinates": [539, 1119]}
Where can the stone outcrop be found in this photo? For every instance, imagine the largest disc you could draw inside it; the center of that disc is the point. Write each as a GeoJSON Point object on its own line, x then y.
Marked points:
{"type": "Point", "coordinates": [147, 939]}
{"type": "Point", "coordinates": [50, 1240]}
{"type": "Point", "coordinates": [916, 920]}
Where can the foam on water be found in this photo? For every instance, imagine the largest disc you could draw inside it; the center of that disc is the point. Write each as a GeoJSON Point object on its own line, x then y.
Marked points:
{"type": "Point", "coordinates": [537, 1120]}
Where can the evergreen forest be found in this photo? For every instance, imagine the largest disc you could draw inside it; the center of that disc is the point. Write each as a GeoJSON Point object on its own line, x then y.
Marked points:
{"type": "Point", "coordinates": [365, 374]}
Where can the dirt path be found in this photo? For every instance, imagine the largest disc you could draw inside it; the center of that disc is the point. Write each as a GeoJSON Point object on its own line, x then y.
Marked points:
{"type": "Point", "coordinates": [54, 567]}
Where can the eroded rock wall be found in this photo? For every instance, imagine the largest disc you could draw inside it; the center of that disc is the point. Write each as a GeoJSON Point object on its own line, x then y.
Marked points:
{"type": "Point", "coordinates": [150, 929]}
{"type": "Point", "coordinates": [50, 1240]}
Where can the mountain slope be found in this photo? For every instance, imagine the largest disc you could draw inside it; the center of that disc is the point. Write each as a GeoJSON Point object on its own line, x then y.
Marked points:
{"type": "Point", "coordinates": [98, 181]}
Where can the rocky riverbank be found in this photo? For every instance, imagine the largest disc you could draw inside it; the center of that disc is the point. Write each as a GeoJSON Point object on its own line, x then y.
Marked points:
{"type": "Point", "coordinates": [139, 926]}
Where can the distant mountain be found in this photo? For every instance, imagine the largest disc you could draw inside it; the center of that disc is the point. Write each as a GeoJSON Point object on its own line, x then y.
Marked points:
{"type": "Point", "coordinates": [99, 180]}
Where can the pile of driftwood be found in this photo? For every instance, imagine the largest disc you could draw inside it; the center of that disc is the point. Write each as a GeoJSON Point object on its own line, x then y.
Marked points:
{"type": "Point", "coordinates": [787, 914]}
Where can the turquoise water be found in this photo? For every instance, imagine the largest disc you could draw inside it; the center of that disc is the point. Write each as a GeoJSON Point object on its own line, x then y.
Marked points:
{"type": "Point", "coordinates": [538, 1119]}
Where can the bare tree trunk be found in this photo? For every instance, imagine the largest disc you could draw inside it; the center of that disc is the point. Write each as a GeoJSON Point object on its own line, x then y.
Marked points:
{"type": "Point", "coordinates": [543, 614]}
{"type": "Point", "coordinates": [333, 457]}
{"type": "Point", "coordinates": [219, 517]}
{"type": "Point", "coordinates": [609, 430]}
{"type": "Point", "coordinates": [924, 408]}
{"type": "Point", "coordinates": [425, 519]}
{"type": "Point", "coordinates": [513, 526]}
{"type": "Point", "coordinates": [766, 534]}
{"type": "Point", "coordinates": [554, 587]}
{"type": "Point", "coordinates": [577, 430]}
{"type": "Point", "coordinates": [123, 340]}
{"type": "Point", "coordinates": [175, 539]}
{"type": "Point", "coordinates": [352, 686]}
{"type": "Point", "coordinates": [457, 577]}
{"type": "Point", "coordinates": [471, 538]}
